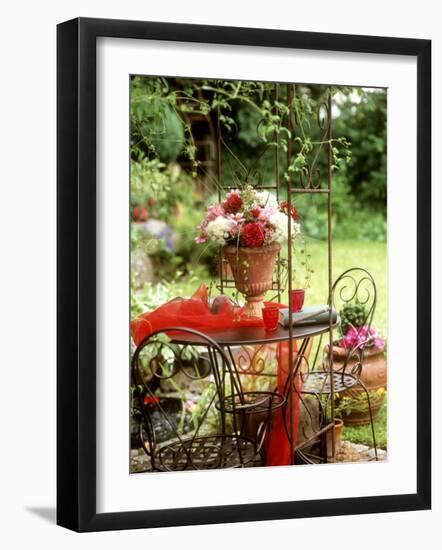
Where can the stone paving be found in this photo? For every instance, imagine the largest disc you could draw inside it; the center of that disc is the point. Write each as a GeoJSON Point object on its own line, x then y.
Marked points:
{"type": "Point", "coordinates": [348, 452]}
{"type": "Point", "coordinates": [353, 452]}
{"type": "Point", "coordinates": [138, 461]}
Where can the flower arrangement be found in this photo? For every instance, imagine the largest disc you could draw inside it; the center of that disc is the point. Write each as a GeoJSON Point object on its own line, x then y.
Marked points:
{"type": "Point", "coordinates": [248, 218]}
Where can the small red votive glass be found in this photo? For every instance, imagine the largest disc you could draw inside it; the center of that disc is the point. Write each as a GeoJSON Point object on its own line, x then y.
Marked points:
{"type": "Point", "coordinates": [297, 299]}
{"type": "Point", "coordinates": [270, 316]}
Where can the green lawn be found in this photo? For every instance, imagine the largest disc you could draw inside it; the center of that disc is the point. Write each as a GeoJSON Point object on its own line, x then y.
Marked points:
{"type": "Point", "coordinates": [369, 255]}
{"type": "Point", "coordinates": [373, 257]}
{"type": "Point", "coordinates": [362, 434]}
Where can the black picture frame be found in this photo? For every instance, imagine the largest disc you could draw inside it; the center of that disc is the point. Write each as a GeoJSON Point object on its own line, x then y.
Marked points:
{"type": "Point", "coordinates": [76, 274]}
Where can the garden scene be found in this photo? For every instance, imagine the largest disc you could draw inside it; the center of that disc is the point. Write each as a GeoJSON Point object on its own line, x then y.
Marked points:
{"type": "Point", "coordinates": [258, 237]}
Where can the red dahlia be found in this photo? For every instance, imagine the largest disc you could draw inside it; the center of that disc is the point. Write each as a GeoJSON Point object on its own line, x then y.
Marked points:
{"type": "Point", "coordinates": [233, 203]}
{"type": "Point", "coordinates": [252, 235]}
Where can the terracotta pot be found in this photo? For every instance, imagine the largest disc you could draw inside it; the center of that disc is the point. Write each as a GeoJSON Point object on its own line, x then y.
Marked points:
{"type": "Point", "coordinates": [339, 426]}
{"type": "Point", "coordinates": [252, 270]}
{"type": "Point", "coordinates": [356, 418]}
{"type": "Point", "coordinates": [373, 375]}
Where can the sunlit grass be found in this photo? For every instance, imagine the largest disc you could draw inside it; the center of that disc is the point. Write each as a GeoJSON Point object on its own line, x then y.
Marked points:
{"type": "Point", "coordinates": [362, 434]}
{"type": "Point", "coordinates": [346, 254]}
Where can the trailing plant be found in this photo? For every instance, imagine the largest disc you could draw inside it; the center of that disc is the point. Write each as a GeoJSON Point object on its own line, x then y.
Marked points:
{"type": "Point", "coordinates": [155, 101]}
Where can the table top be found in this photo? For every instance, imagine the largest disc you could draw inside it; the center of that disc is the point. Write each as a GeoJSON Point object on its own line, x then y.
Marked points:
{"type": "Point", "coordinates": [252, 335]}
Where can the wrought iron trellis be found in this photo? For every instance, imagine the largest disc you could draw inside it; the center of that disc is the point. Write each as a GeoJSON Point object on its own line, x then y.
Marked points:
{"type": "Point", "coordinates": [225, 280]}
{"type": "Point", "coordinates": [309, 181]}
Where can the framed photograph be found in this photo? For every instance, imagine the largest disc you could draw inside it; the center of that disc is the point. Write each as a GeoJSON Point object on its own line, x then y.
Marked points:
{"type": "Point", "coordinates": [243, 274]}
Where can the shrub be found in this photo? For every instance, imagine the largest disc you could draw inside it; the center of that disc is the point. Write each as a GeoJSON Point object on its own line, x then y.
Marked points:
{"type": "Point", "coordinates": [156, 128]}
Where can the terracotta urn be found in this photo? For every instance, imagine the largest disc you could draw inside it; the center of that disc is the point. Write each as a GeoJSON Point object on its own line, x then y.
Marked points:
{"type": "Point", "coordinates": [252, 270]}
{"type": "Point", "coordinates": [373, 376]}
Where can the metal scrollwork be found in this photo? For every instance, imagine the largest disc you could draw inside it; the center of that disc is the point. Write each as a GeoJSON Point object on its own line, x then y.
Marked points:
{"type": "Point", "coordinates": [356, 285]}
{"type": "Point", "coordinates": [310, 178]}
{"type": "Point", "coordinates": [323, 116]}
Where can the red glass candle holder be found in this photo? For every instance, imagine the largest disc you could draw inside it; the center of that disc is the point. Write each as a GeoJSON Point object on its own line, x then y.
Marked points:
{"type": "Point", "coordinates": [270, 316]}
{"type": "Point", "coordinates": [297, 295]}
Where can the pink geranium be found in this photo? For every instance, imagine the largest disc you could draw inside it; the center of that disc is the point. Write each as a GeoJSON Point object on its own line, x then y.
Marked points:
{"type": "Point", "coordinates": [361, 337]}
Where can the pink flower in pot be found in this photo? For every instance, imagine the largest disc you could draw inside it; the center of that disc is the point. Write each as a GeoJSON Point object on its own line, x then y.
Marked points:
{"type": "Point", "coordinates": [362, 336]}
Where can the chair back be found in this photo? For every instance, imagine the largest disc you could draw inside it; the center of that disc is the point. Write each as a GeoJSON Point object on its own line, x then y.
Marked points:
{"type": "Point", "coordinates": [354, 296]}
{"type": "Point", "coordinates": [177, 388]}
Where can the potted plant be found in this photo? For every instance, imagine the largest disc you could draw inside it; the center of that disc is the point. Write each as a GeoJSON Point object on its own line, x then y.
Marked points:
{"type": "Point", "coordinates": [360, 344]}
{"type": "Point", "coordinates": [352, 407]}
{"type": "Point", "coordinates": [250, 225]}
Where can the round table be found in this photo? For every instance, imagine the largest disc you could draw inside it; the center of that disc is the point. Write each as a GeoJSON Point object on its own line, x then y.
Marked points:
{"type": "Point", "coordinates": [256, 338]}
{"type": "Point", "coordinates": [249, 336]}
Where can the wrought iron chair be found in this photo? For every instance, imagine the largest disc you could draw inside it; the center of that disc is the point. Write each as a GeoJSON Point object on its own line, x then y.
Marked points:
{"type": "Point", "coordinates": [354, 286]}
{"type": "Point", "coordinates": [192, 412]}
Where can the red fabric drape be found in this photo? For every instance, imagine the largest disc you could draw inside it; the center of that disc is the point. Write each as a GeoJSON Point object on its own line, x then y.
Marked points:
{"type": "Point", "coordinates": [195, 313]}
{"type": "Point", "coordinates": [190, 313]}
{"type": "Point", "coordinates": [278, 452]}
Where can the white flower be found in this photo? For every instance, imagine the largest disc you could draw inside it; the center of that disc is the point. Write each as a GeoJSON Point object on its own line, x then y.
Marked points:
{"type": "Point", "coordinates": [219, 229]}
{"type": "Point", "coordinates": [264, 198]}
{"type": "Point", "coordinates": [296, 228]}
{"type": "Point", "coordinates": [279, 222]}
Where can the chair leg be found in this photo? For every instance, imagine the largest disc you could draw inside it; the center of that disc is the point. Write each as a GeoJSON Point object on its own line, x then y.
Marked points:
{"type": "Point", "coordinates": [324, 437]}
{"type": "Point", "coordinates": [371, 419]}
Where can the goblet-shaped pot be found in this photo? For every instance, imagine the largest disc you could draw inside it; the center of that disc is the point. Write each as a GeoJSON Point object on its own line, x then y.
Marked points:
{"type": "Point", "coordinates": [252, 270]}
